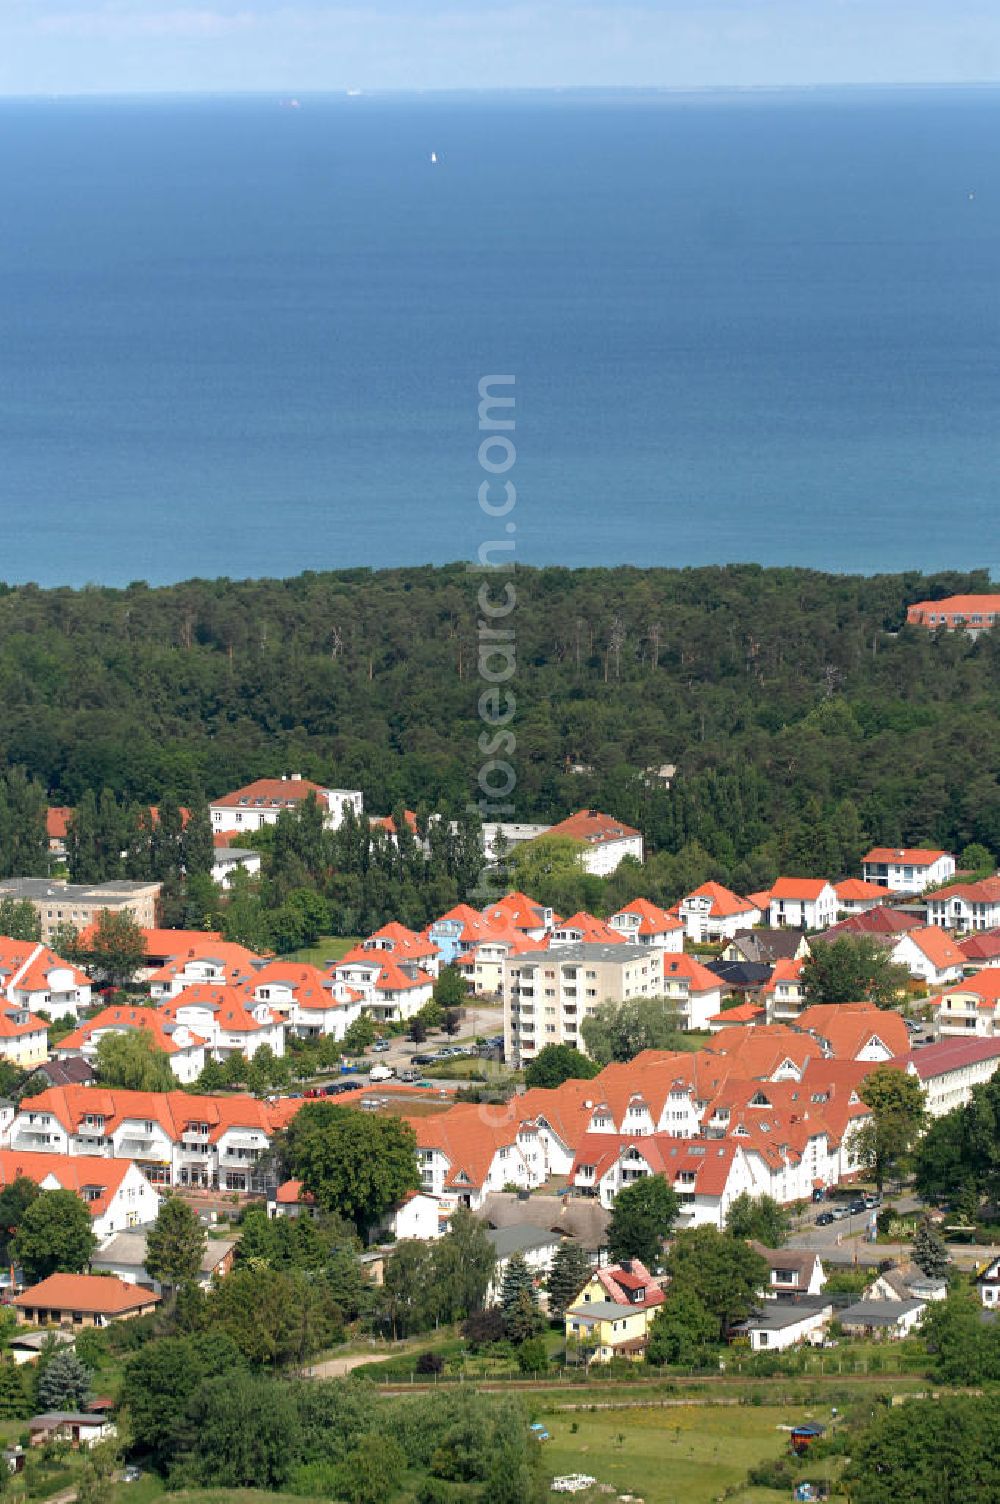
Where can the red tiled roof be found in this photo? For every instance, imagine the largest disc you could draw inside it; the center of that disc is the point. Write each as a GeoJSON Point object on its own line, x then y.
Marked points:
{"type": "Point", "coordinates": [909, 856]}
{"type": "Point", "coordinates": [951, 1055]}
{"type": "Point", "coordinates": [987, 890]}
{"type": "Point", "coordinates": [273, 792]}
{"type": "Point", "coordinates": [938, 946]}
{"type": "Point", "coordinates": [72, 1172]}
{"type": "Point", "coordinates": [724, 903]}
{"type": "Point", "coordinates": [982, 946]}
{"type": "Point", "coordinates": [802, 888]}
{"type": "Point", "coordinates": [57, 818]}
{"type": "Point", "coordinates": [954, 605]}
{"type": "Point", "coordinates": [159, 1023]}
{"type": "Point", "coordinates": [594, 828]}
{"type": "Point", "coordinates": [98, 1294]}
{"type": "Point", "coordinates": [653, 919]}
{"type": "Point", "coordinates": [856, 890]}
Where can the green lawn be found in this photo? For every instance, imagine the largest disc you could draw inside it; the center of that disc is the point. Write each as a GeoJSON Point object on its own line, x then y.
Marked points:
{"type": "Point", "coordinates": [327, 948]}
{"type": "Point", "coordinates": [684, 1454]}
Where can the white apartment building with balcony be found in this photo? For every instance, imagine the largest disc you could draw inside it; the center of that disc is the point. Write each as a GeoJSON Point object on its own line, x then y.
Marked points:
{"type": "Point", "coordinates": [548, 993]}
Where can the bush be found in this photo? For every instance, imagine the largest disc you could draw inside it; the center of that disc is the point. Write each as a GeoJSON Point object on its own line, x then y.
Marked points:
{"type": "Point", "coordinates": [430, 1363]}
{"type": "Point", "coordinates": [776, 1472]}
{"type": "Point", "coordinates": [532, 1356]}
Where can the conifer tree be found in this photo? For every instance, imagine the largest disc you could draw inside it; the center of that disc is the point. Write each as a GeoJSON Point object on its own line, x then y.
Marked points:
{"type": "Point", "coordinates": [930, 1252]}
{"type": "Point", "coordinates": [571, 1269]}
{"type": "Point", "coordinates": [516, 1277]}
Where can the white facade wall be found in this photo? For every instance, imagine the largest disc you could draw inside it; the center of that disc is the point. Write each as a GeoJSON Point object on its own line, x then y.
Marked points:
{"type": "Point", "coordinates": [604, 857]}
{"type": "Point", "coordinates": [905, 877]}
{"type": "Point", "coordinates": [805, 913]}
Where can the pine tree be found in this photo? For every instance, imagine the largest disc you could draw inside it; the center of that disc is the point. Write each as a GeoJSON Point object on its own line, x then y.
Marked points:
{"type": "Point", "coordinates": [15, 1397]}
{"type": "Point", "coordinates": [516, 1277]}
{"type": "Point", "coordinates": [571, 1269]}
{"type": "Point", "coordinates": [523, 1320]}
{"type": "Point", "coordinates": [930, 1252]}
{"type": "Point", "coordinates": [64, 1383]}
{"type": "Point", "coordinates": [197, 842]}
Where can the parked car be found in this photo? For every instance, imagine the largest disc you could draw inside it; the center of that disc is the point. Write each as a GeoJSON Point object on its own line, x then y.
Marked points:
{"type": "Point", "coordinates": [856, 1208]}
{"type": "Point", "coordinates": [423, 1059]}
{"type": "Point", "coordinates": [381, 1073]}
{"type": "Point", "coordinates": [382, 1045]}
{"type": "Point", "coordinates": [839, 1213]}
{"type": "Point", "coordinates": [824, 1219]}
{"type": "Point", "coordinates": [407, 1076]}
{"type": "Point", "coordinates": [871, 1202]}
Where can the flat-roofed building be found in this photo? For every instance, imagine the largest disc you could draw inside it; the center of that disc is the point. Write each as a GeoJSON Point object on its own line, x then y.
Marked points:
{"type": "Point", "coordinates": [79, 904]}
{"type": "Point", "coordinates": [548, 993]}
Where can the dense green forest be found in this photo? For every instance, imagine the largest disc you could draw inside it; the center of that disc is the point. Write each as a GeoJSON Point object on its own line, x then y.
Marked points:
{"type": "Point", "coordinates": [803, 717]}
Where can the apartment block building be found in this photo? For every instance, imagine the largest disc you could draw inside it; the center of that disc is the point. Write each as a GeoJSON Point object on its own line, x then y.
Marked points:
{"type": "Point", "coordinates": [548, 993]}
{"type": "Point", "coordinates": [78, 904]}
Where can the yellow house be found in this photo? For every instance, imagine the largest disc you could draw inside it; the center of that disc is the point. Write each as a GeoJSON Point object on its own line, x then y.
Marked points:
{"type": "Point", "coordinates": [611, 1316]}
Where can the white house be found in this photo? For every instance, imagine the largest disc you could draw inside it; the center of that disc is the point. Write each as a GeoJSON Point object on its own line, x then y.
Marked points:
{"type": "Point", "coordinates": [645, 923]}
{"type": "Point", "coordinates": [536, 1245]}
{"type": "Point", "coordinates": [965, 907]}
{"type": "Point", "coordinates": [905, 869]}
{"type": "Point", "coordinates": [988, 1282]}
{"type": "Point", "coordinates": [34, 979]}
{"type": "Point", "coordinates": [228, 858]}
{"type": "Point", "coordinates": [949, 1069]}
{"type": "Point", "coordinates": [116, 1194]}
{"type": "Point", "coordinates": [781, 1324]}
{"type": "Point", "coordinates": [712, 912]}
{"type": "Point", "coordinates": [606, 842]}
{"type": "Point", "coordinates": [174, 1138]}
{"type": "Point", "coordinates": [882, 1320]}
{"type": "Point", "coordinates": [930, 955]}
{"type": "Point", "coordinates": [802, 903]}
{"type": "Point", "coordinates": [259, 803]}
{"type": "Point", "coordinates": [855, 896]}
{"type": "Point", "coordinates": [184, 1049]}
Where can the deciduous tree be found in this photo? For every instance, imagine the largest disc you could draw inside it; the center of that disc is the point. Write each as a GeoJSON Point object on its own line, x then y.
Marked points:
{"type": "Point", "coordinates": [175, 1244]}
{"type": "Point", "coordinates": [56, 1236]}
{"type": "Point", "coordinates": [853, 969]}
{"type": "Point", "coordinates": [641, 1219]}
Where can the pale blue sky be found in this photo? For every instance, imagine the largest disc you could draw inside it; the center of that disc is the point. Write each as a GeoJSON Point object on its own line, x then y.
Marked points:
{"type": "Point", "coordinates": [68, 46]}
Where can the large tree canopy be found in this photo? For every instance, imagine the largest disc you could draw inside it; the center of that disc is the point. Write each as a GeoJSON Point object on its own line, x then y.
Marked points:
{"type": "Point", "coordinates": [354, 1163]}
{"type": "Point", "coordinates": [853, 969]}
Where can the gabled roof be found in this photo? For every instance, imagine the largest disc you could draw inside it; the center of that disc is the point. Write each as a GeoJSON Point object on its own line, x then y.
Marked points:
{"type": "Point", "coordinates": [803, 889]}
{"type": "Point", "coordinates": [72, 1172]}
{"type": "Point", "coordinates": [856, 890]}
{"type": "Point", "coordinates": [28, 965]}
{"type": "Point", "coordinates": [591, 929]}
{"type": "Point", "coordinates": [518, 910]}
{"type": "Point", "coordinates": [786, 970]}
{"type": "Point", "coordinates": [907, 856]}
{"type": "Point", "coordinates": [723, 903]}
{"type": "Point", "coordinates": [158, 1023]}
{"type": "Point", "coordinates": [652, 919]}
{"type": "Point", "coordinates": [984, 945]}
{"type": "Point", "coordinates": [848, 1027]}
{"type": "Point", "coordinates": [678, 965]}
{"type": "Point", "coordinates": [987, 890]}
{"type": "Point", "coordinates": [171, 1110]}
{"type": "Point", "coordinates": [97, 1294]}
{"type": "Point", "coordinates": [266, 793]}
{"type": "Point", "coordinates": [937, 945]}
{"type": "Point", "coordinates": [950, 1055]}
{"type": "Point", "coordinates": [878, 921]}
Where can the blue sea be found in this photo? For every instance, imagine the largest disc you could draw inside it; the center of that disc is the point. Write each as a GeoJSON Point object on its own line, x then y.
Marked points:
{"type": "Point", "coordinates": [244, 336]}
